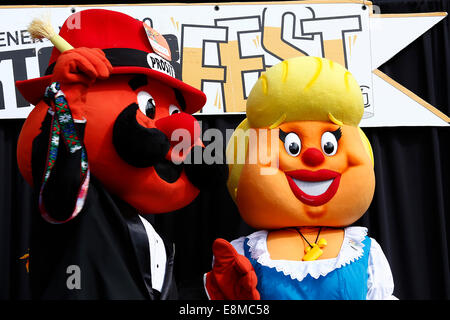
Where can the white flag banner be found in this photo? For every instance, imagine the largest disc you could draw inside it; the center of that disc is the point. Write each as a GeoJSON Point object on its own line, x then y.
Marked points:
{"type": "Point", "coordinates": [223, 49]}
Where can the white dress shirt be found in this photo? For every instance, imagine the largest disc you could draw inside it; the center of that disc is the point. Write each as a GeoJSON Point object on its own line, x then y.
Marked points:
{"type": "Point", "coordinates": [158, 256]}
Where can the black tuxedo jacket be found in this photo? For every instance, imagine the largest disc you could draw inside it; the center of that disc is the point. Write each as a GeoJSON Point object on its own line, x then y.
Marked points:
{"type": "Point", "coordinates": [103, 253]}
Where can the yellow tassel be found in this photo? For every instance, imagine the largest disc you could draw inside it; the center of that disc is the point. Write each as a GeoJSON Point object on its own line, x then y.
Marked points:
{"type": "Point", "coordinates": [42, 28]}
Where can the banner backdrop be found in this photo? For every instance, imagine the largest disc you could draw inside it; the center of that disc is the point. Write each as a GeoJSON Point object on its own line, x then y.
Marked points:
{"type": "Point", "coordinates": [223, 49]}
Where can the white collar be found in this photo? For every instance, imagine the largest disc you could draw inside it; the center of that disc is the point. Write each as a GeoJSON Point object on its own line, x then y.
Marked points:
{"type": "Point", "coordinates": [351, 250]}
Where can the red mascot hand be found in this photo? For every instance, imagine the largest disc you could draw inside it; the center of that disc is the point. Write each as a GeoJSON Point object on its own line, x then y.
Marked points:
{"type": "Point", "coordinates": [232, 276]}
{"type": "Point", "coordinates": [76, 70]}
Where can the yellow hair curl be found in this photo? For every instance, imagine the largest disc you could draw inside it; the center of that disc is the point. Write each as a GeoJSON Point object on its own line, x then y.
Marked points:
{"type": "Point", "coordinates": [305, 88]}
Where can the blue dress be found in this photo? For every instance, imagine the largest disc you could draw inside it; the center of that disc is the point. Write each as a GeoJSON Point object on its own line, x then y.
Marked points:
{"type": "Point", "coordinates": [349, 282]}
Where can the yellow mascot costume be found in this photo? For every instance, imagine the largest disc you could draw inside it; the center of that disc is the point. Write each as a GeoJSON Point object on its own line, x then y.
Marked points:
{"type": "Point", "coordinates": [301, 172]}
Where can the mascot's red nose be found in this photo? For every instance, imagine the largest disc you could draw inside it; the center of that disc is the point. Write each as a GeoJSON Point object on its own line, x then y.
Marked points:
{"type": "Point", "coordinates": [185, 125]}
{"type": "Point", "coordinates": [313, 157]}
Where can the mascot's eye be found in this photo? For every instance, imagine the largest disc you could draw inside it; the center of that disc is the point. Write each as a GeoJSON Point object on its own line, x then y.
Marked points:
{"type": "Point", "coordinates": [173, 109]}
{"type": "Point", "coordinates": [150, 108]}
{"type": "Point", "coordinates": [292, 144]}
{"type": "Point", "coordinates": [329, 143]}
{"type": "Point", "coordinates": [146, 104]}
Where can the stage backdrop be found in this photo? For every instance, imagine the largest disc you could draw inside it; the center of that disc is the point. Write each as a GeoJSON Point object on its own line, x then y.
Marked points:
{"type": "Point", "coordinates": [223, 49]}
{"type": "Point", "coordinates": [409, 214]}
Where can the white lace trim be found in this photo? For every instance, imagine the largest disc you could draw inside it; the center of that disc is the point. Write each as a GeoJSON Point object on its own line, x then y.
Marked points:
{"type": "Point", "coordinates": [351, 250]}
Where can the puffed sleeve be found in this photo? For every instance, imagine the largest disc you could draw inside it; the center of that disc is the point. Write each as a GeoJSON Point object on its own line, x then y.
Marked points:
{"type": "Point", "coordinates": [238, 244]}
{"type": "Point", "coordinates": [380, 282]}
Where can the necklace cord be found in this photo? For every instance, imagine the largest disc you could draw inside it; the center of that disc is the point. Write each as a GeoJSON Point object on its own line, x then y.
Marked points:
{"type": "Point", "coordinates": [317, 238]}
{"type": "Point", "coordinates": [320, 229]}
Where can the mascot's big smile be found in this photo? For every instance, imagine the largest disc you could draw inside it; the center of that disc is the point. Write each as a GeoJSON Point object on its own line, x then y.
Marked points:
{"type": "Point", "coordinates": [314, 188]}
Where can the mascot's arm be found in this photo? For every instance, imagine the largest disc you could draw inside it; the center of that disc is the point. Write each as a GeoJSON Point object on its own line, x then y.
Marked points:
{"type": "Point", "coordinates": [232, 276]}
{"type": "Point", "coordinates": [76, 70]}
{"type": "Point", "coordinates": [60, 160]}
{"type": "Point", "coordinates": [380, 282]}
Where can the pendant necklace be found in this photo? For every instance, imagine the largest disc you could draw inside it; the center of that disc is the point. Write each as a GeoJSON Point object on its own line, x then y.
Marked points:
{"type": "Point", "coordinates": [314, 251]}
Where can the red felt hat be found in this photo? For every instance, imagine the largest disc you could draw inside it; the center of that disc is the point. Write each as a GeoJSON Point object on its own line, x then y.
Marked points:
{"type": "Point", "coordinates": [125, 43]}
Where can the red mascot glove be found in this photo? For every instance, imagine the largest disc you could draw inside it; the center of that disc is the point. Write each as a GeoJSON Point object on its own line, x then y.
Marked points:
{"type": "Point", "coordinates": [76, 70]}
{"type": "Point", "coordinates": [232, 276]}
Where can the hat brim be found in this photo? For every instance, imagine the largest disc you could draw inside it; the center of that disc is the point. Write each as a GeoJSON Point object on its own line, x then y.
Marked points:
{"type": "Point", "coordinates": [33, 89]}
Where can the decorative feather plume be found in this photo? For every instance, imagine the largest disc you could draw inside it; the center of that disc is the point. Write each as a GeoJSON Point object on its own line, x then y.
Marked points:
{"type": "Point", "coordinates": [42, 28]}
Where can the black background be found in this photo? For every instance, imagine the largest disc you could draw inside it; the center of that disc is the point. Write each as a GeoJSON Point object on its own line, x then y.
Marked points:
{"type": "Point", "coordinates": [408, 215]}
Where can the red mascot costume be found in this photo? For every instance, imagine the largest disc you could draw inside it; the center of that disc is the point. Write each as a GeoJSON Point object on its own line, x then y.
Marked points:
{"type": "Point", "coordinates": [97, 150]}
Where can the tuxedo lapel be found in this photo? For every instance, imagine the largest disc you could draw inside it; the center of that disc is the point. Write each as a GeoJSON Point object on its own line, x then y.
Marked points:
{"type": "Point", "coordinates": [169, 288]}
{"type": "Point", "coordinates": [140, 246]}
